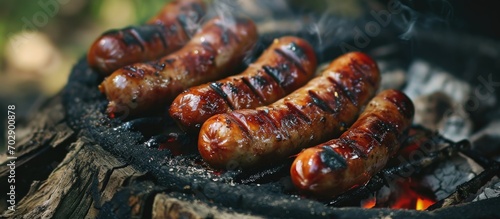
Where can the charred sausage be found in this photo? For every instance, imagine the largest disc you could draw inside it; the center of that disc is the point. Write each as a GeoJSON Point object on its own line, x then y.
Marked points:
{"type": "Point", "coordinates": [318, 111]}
{"type": "Point", "coordinates": [334, 167]}
{"type": "Point", "coordinates": [164, 33]}
{"type": "Point", "coordinates": [284, 67]}
{"type": "Point", "coordinates": [213, 53]}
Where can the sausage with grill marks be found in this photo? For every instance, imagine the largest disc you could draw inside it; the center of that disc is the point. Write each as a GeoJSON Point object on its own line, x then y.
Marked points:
{"type": "Point", "coordinates": [334, 167]}
{"type": "Point", "coordinates": [284, 67]}
{"type": "Point", "coordinates": [165, 33]}
{"type": "Point", "coordinates": [318, 111]}
{"type": "Point", "coordinates": [215, 51]}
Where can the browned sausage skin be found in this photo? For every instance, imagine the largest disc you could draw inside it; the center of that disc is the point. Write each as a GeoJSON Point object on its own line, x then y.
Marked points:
{"type": "Point", "coordinates": [164, 33]}
{"type": "Point", "coordinates": [286, 65]}
{"type": "Point", "coordinates": [215, 51]}
{"type": "Point", "coordinates": [334, 167]}
{"type": "Point", "coordinates": [318, 111]}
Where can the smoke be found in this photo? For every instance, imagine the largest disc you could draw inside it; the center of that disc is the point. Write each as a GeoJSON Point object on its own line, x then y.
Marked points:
{"type": "Point", "coordinates": [335, 27]}
{"type": "Point", "coordinates": [430, 15]}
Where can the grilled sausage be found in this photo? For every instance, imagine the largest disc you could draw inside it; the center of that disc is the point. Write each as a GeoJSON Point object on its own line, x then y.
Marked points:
{"type": "Point", "coordinates": [165, 33]}
{"type": "Point", "coordinates": [310, 115]}
{"type": "Point", "coordinates": [284, 67]}
{"type": "Point", "coordinates": [214, 52]}
{"type": "Point", "coordinates": [336, 166]}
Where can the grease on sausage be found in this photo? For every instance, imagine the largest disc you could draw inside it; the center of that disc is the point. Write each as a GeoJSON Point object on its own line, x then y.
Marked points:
{"type": "Point", "coordinates": [285, 66]}
{"type": "Point", "coordinates": [215, 51]}
{"type": "Point", "coordinates": [163, 34]}
{"type": "Point", "coordinates": [318, 111]}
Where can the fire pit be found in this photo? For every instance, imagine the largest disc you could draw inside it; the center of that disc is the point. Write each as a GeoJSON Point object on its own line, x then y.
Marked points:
{"type": "Point", "coordinates": [139, 168]}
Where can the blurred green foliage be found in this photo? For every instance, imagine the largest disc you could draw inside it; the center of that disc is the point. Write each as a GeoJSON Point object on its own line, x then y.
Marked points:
{"type": "Point", "coordinates": [69, 14]}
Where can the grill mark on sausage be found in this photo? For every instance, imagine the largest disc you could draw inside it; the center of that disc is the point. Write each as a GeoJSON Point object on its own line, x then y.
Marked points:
{"type": "Point", "coordinates": [332, 159]}
{"type": "Point", "coordinates": [227, 34]}
{"type": "Point", "coordinates": [281, 133]}
{"type": "Point", "coordinates": [138, 37]}
{"type": "Point", "coordinates": [239, 123]}
{"type": "Point", "coordinates": [147, 33]}
{"type": "Point", "coordinates": [263, 114]}
{"type": "Point", "coordinates": [390, 127]}
{"type": "Point", "coordinates": [157, 65]}
{"type": "Point", "coordinates": [292, 60]}
{"type": "Point", "coordinates": [344, 91]}
{"type": "Point", "coordinates": [357, 68]}
{"type": "Point", "coordinates": [216, 86]}
{"type": "Point", "coordinates": [233, 88]}
{"type": "Point", "coordinates": [298, 112]}
{"type": "Point", "coordinates": [320, 102]}
{"type": "Point", "coordinates": [129, 38]}
{"type": "Point", "coordinates": [406, 108]}
{"type": "Point", "coordinates": [356, 148]}
{"type": "Point", "coordinates": [373, 131]}
{"type": "Point", "coordinates": [273, 72]}
{"type": "Point", "coordinates": [208, 46]}
{"type": "Point", "coordinates": [161, 33]}
{"type": "Point", "coordinates": [297, 50]}
{"type": "Point", "coordinates": [133, 72]}
{"type": "Point", "coordinates": [183, 21]}
{"type": "Point", "coordinates": [225, 37]}
{"type": "Point", "coordinates": [254, 91]}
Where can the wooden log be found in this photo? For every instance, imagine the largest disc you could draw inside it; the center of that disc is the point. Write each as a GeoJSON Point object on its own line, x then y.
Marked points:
{"type": "Point", "coordinates": [63, 174]}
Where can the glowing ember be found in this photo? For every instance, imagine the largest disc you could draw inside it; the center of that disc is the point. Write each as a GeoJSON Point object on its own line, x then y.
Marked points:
{"type": "Point", "coordinates": [404, 196]}
{"type": "Point", "coordinates": [410, 198]}
{"type": "Point", "coordinates": [423, 204]}
{"type": "Point", "coordinates": [369, 203]}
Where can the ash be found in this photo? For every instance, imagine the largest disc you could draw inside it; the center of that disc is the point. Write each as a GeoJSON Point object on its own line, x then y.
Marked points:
{"type": "Point", "coordinates": [439, 100]}
{"type": "Point", "coordinates": [448, 175]}
{"type": "Point", "coordinates": [491, 190]}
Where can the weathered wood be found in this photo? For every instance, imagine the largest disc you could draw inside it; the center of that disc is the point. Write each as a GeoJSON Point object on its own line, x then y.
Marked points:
{"type": "Point", "coordinates": [85, 178]}
{"type": "Point", "coordinates": [165, 206]}
{"type": "Point", "coordinates": [39, 150]}
{"type": "Point", "coordinates": [78, 186]}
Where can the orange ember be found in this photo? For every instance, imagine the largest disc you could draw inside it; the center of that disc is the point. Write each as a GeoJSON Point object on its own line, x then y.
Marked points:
{"type": "Point", "coordinates": [370, 203]}
{"type": "Point", "coordinates": [405, 197]}
{"type": "Point", "coordinates": [423, 203]}
{"type": "Point", "coordinates": [410, 198]}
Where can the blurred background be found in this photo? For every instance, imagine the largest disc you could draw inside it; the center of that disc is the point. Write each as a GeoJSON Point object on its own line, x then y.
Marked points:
{"type": "Point", "coordinates": [40, 40]}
